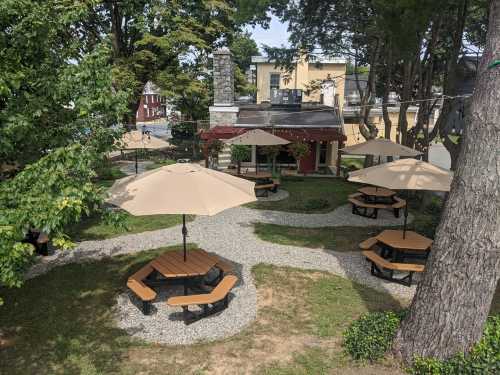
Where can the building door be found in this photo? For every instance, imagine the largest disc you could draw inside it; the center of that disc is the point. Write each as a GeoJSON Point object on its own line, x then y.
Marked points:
{"type": "Point", "coordinates": [308, 163]}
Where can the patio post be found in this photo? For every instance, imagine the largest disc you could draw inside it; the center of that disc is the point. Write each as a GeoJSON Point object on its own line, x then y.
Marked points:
{"type": "Point", "coordinates": [184, 235]}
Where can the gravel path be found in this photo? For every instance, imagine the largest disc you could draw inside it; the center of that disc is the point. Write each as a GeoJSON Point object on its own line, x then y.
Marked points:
{"type": "Point", "coordinates": [230, 235]}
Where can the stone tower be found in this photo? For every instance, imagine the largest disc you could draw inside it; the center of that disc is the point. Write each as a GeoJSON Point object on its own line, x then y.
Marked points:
{"type": "Point", "coordinates": [223, 112]}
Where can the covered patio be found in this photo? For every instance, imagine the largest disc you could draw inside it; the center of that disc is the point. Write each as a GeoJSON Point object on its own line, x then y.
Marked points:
{"type": "Point", "coordinates": [324, 145]}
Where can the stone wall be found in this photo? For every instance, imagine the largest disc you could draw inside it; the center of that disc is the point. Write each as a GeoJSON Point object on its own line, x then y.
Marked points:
{"type": "Point", "coordinates": [223, 118]}
{"type": "Point", "coordinates": [223, 78]}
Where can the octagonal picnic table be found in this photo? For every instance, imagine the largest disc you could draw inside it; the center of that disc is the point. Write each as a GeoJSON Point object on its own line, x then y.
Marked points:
{"type": "Point", "coordinates": [172, 265]}
{"type": "Point", "coordinates": [377, 195]}
{"type": "Point", "coordinates": [411, 242]}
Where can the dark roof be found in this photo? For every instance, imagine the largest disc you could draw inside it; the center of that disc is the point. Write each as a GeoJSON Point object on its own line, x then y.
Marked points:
{"type": "Point", "coordinates": [350, 83]}
{"type": "Point", "coordinates": [295, 116]}
{"type": "Point", "coordinates": [293, 135]}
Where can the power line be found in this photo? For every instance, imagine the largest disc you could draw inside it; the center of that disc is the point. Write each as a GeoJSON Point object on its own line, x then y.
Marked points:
{"type": "Point", "coordinates": [443, 97]}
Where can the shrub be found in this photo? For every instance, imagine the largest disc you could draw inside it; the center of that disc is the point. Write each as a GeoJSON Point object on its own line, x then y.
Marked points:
{"type": "Point", "coordinates": [369, 337]}
{"type": "Point", "coordinates": [316, 204]}
{"type": "Point", "coordinates": [484, 358]}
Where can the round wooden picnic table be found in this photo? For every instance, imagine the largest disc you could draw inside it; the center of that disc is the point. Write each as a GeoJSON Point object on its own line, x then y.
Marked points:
{"type": "Point", "coordinates": [412, 242]}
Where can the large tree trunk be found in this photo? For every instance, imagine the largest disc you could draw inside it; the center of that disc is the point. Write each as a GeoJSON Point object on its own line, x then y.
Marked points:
{"type": "Point", "coordinates": [453, 300]}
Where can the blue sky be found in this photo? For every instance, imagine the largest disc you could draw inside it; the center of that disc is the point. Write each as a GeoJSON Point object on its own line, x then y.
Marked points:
{"type": "Point", "coordinates": [275, 36]}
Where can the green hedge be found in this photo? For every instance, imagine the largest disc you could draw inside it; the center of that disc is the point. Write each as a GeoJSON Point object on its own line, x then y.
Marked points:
{"type": "Point", "coordinates": [370, 337]}
{"type": "Point", "coordinates": [484, 358]}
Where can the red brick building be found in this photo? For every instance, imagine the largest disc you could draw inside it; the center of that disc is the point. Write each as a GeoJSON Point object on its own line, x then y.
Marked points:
{"type": "Point", "coordinates": [152, 106]}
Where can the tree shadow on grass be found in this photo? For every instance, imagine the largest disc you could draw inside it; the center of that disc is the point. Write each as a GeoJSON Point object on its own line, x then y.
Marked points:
{"type": "Point", "coordinates": [62, 322]}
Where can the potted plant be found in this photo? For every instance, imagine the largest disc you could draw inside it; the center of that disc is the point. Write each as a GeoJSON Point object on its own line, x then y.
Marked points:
{"type": "Point", "coordinates": [298, 150]}
{"type": "Point", "coordinates": [271, 152]}
{"type": "Point", "coordinates": [213, 149]}
{"type": "Point", "coordinates": [240, 153]}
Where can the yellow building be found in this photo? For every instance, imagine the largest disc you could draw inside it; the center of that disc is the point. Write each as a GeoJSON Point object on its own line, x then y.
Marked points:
{"type": "Point", "coordinates": [270, 77]}
{"type": "Point", "coordinates": [351, 127]}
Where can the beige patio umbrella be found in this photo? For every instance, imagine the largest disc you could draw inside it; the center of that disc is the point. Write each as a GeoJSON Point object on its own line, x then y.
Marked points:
{"type": "Point", "coordinates": [181, 188]}
{"type": "Point", "coordinates": [381, 147]}
{"type": "Point", "coordinates": [135, 140]}
{"type": "Point", "coordinates": [405, 174]}
{"type": "Point", "coordinates": [257, 137]}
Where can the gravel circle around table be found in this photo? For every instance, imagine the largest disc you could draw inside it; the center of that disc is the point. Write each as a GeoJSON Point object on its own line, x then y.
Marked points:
{"type": "Point", "coordinates": [165, 325]}
{"type": "Point", "coordinates": [229, 234]}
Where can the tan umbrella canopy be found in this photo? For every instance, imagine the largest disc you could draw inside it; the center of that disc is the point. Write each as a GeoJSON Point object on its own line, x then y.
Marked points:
{"type": "Point", "coordinates": [257, 137]}
{"type": "Point", "coordinates": [181, 188]}
{"type": "Point", "coordinates": [405, 174]}
{"type": "Point", "coordinates": [381, 147]}
{"type": "Point", "coordinates": [135, 140]}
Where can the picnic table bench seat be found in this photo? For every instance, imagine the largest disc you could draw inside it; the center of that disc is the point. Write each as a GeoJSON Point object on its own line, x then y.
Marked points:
{"type": "Point", "coordinates": [141, 290]}
{"type": "Point", "coordinates": [358, 204]}
{"type": "Point", "coordinates": [384, 269]}
{"type": "Point", "coordinates": [355, 195]}
{"type": "Point", "coordinates": [263, 190]}
{"type": "Point", "coordinates": [368, 243]}
{"type": "Point", "coordinates": [218, 298]}
{"type": "Point", "coordinates": [397, 205]}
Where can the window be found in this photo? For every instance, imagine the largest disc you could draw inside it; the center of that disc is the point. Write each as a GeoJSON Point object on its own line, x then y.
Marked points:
{"type": "Point", "coordinates": [323, 147]}
{"type": "Point", "coordinates": [274, 81]}
{"type": "Point", "coordinates": [146, 99]}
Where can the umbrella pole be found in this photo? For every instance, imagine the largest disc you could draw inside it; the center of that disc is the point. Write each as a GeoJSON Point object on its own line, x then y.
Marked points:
{"type": "Point", "coordinates": [184, 235]}
{"type": "Point", "coordinates": [135, 161]}
{"type": "Point", "coordinates": [406, 219]}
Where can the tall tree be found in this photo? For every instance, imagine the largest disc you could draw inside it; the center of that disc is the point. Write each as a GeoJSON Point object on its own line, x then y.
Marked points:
{"type": "Point", "coordinates": [452, 301]}
{"type": "Point", "coordinates": [154, 37]}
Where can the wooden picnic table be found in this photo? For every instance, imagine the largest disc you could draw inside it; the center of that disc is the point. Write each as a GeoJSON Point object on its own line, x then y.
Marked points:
{"type": "Point", "coordinates": [376, 192]}
{"type": "Point", "coordinates": [413, 242]}
{"type": "Point", "coordinates": [171, 264]}
{"type": "Point", "coordinates": [372, 194]}
{"type": "Point", "coordinates": [257, 175]}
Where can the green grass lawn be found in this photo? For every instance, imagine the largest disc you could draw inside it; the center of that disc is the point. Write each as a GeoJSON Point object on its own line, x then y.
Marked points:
{"type": "Point", "coordinates": [62, 323]}
{"type": "Point", "coordinates": [94, 228]}
{"type": "Point", "coordinates": [347, 238]}
{"type": "Point", "coordinates": [333, 238]}
{"type": "Point", "coordinates": [310, 195]}
{"type": "Point", "coordinates": [357, 163]}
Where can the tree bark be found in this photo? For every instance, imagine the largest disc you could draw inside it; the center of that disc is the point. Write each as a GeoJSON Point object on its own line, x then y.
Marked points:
{"type": "Point", "coordinates": [453, 300]}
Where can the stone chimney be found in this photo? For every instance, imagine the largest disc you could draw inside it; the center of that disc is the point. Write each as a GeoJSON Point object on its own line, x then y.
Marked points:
{"type": "Point", "coordinates": [223, 112]}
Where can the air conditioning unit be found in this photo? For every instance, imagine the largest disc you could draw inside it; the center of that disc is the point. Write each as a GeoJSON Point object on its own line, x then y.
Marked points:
{"type": "Point", "coordinates": [286, 97]}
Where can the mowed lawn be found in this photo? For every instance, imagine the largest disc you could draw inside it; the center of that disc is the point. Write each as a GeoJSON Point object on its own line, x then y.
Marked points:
{"type": "Point", "coordinates": [310, 195]}
{"type": "Point", "coordinates": [94, 228]}
{"type": "Point", "coordinates": [62, 323]}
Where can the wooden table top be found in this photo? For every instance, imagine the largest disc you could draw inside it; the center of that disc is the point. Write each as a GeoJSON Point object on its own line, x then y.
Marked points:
{"type": "Point", "coordinates": [256, 175]}
{"type": "Point", "coordinates": [376, 191]}
{"type": "Point", "coordinates": [171, 264]}
{"type": "Point", "coordinates": [250, 175]}
{"type": "Point", "coordinates": [412, 240]}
